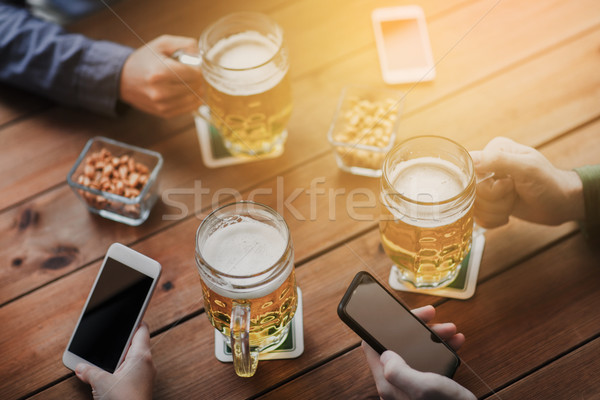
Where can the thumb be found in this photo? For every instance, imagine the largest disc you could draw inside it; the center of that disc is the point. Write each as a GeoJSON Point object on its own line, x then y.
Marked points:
{"type": "Point", "coordinates": [90, 374]}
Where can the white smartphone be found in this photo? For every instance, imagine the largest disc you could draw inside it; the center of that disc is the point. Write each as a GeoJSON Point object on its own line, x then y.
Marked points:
{"type": "Point", "coordinates": [113, 310]}
{"type": "Point", "coordinates": [403, 44]}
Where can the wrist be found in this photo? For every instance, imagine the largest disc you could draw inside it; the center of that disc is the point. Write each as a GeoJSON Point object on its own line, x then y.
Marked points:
{"type": "Point", "coordinates": [574, 199]}
{"type": "Point", "coordinates": [590, 178]}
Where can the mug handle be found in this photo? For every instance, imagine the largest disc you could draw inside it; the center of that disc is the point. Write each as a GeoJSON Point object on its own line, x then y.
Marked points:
{"type": "Point", "coordinates": [245, 361]}
{"type": "Point", "coordinates": [194, 60]}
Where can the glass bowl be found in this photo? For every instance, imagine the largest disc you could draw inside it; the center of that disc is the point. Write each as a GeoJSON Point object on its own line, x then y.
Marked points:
{"type": "Point", "coordinates": [116, 180]}
{"type": "Point", "coordinates": [364, 128]}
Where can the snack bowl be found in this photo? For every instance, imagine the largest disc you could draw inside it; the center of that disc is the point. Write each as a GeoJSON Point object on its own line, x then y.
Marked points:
{"type": "Point", "coordinates": [364, 128]}
{"type": "Point", "coordinates": [116, 180]}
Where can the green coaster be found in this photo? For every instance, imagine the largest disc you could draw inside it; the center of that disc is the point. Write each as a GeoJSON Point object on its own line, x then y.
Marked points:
{"type": "Point", "coordinates": [463, 286]}
{"type": "Point", "coordinates": [292, 346]}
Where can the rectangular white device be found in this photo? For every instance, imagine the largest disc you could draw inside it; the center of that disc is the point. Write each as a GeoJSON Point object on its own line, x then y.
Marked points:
{"type": "Point", "coordinates": [403, 44]}
{"type": "Point", "coordinates": [113, 309]}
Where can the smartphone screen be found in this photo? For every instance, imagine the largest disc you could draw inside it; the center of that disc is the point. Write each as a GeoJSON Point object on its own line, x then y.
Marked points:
{"type": "Point", "coordinates": [385, 324]}
{"type": "Point", "coordinates": [110, 315]}
{"type": "Point", "coordinates": [403, 44]}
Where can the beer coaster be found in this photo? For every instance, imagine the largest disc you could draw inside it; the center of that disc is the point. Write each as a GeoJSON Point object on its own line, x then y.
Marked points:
{"type": "Point", "coordinates": [292, 346]}
{"type": "Point", "coordinates": [463, 286]}
{"type": "Point", "coordinates": [213, 150]}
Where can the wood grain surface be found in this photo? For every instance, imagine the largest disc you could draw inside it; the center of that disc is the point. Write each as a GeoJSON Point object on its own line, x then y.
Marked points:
{"type": "Point", "coordinates": [524, 70]}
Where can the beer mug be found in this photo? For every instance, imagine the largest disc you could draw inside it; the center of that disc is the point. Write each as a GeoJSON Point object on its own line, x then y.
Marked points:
{"type": "Point", "coordinates": [245, 65]}
{"type": "Point", "coordinates": [427, 196]}
{"type": "Point", "coordinates": [245, 257]}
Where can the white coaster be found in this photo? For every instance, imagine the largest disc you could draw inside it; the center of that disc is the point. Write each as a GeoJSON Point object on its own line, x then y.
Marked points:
{"type": "Point", "coordinates": [463, 287]}
{"type": "Point", "coordinates": [292, 346]}
{"type": "Point", "coordinates": [213, 150]}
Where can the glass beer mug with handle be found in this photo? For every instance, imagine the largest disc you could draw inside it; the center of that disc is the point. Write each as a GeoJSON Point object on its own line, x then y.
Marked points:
{"type": "Point", "coordinates": [245, 257]}
{"type": "Point", "coordinates": [245, 65]}
{"type": "Point", "coordinates": [427, 197]}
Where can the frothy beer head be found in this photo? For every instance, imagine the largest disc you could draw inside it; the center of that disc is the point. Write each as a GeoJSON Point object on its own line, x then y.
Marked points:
{"type": "Point", "coordinates": [245, 58]}
{"type": "Point", "coordinates": [428, 179]}
{"type": "Point", "coordinates": [427, 182]}
{"type": "Point", "coordinates": [241, 249]}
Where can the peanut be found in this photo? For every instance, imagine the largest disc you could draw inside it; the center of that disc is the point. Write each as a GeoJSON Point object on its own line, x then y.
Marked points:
{"type": "Point", "coordinates": [366, 123]}
{"type": "Point", "coordinates": [122, 176]}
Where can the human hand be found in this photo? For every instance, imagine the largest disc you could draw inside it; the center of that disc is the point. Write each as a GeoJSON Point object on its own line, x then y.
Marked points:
{"type": "Point", "coordinates": [155, 83]}
{"type": "Point", "coordinates": [526, 185]}
{"type": "Point", "coordinates": [132, 380]}
{"type": "Point", "coordinates": [396, 380]}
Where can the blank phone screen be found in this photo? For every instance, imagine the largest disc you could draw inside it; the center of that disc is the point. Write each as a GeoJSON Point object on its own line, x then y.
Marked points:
{"type": "Point", "coordinates": [110, 315]}
{"type": "Point", "coordinates": [396, 329]}
{"type": "Point", "coordinates": [404, 45]}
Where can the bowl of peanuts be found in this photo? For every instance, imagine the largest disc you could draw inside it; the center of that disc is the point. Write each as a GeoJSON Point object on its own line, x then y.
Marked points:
{"type": "Point", "coordinates": [116, 180]}
{"type": "Point", "coordinates": [364, 128]}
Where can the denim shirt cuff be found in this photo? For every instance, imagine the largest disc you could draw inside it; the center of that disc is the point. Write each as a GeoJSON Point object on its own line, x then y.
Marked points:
{"type": "Point", "coordinates": [99, 76]}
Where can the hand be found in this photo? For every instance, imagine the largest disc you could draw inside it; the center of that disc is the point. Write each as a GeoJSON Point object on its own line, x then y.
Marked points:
{"type": "Point", "coordinates": [155, 83]}
{"type": "Point", "coordinates": [525, 185]}
{"type": "Point", "coordinates": [396, 380]}
{"type": "Point", "coordinates": [132, 380]}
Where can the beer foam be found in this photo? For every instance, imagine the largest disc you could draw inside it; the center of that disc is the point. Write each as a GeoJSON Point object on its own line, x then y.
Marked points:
{"type": "Point", "coordinates": [428, 179]}
{"type": "Point", "coordinates": [245, 248]}
{"type": "Point", "coordinates": [245, 51]}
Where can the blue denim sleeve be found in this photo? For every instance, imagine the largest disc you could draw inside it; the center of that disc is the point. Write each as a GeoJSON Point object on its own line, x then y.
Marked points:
{"type": "Point", "coordinates": [72, 69]}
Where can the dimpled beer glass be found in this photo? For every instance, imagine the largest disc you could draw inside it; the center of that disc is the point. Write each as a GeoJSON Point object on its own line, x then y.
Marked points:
{"type": "Point", "coordinates": [245, 65]}
{"type": "Point", "coordinates": [245, 257]}
{"type": "Point", "coordinates": [427, 196]}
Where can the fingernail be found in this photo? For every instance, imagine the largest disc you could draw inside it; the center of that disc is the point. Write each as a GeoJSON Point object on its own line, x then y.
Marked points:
{"type": "Point", "coordinates": [79, 369]}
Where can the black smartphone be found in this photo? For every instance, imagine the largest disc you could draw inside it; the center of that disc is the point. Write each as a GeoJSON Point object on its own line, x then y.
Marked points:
{"type": "Point", "coordinates": [113, 310]}
{"type": "Point", "coordinates": [386, 324]}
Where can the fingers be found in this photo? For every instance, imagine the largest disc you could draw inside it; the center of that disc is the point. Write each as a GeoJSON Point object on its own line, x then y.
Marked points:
{"type": "Point", "coordinates": [456, 341]}
{"type": "Point", "coordinates": [90, 374]}
{"type": "Point", "coordinates": [373, 360]}
{"type": "Point", "coordinates": [398, 373]}
{"type": "Point", "coordinates": [140, 344]}
{"type": "Point", "coordinates": [495, 202]}
{"type": "Point", "coordinates": [447, 331]}
{"type": "Point", "coordinates": [384, 388]}
{"type": "Point", "coordinates": [503, 157]}
{"type": "Point", "coordinates": [169, 44]}
{"type": "Point", "coordinates": [425, 313]}
{"type": "Point", "coordinates": [173, 72]}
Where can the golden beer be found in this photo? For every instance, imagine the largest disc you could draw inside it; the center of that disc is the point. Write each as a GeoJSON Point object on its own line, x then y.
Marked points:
{"type": "Point", "coordinates": [426, 222]}
{"type": "Point", "coordinates": [245, 258]}
{"type": "Point", "coordinates": [271, 314]}
{"type": "Point", "coordinates": [245, 66]}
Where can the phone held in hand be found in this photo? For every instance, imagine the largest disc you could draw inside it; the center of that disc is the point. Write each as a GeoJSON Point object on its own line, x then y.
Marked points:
{"type": "Point", "coordinates": [386, 324]}
{"type": "Point", "coordinates": [113, 310]}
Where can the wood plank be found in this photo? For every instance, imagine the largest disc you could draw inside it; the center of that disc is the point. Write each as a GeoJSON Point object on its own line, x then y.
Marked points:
{"type": "Point", "coordinates": [355, 382]}
{"type": "Point", "coordinates": [561, 303]}
{"type": "Point", "coordinates": [570, 377]}
{"type": "Point", "coordinates": [25, 251]}
{"type": "Point", "coordinates": [174, 248]}
{"type": "Point", "coordinates": [51, 156]}
{"type": "Point", "coordinates": [38, 153]}
{"type": "Point", "coordinates": [15, 104]}
{"type": "Point", "coordinates": [555, 292]}
{"type": "Point", "coordinates": [347, 68]}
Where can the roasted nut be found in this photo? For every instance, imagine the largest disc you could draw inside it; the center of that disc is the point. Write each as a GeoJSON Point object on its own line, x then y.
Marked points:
{"type": "Point", "coordinates": [122, 176]}
{"type": "Point", "coordinates": [366, 123]}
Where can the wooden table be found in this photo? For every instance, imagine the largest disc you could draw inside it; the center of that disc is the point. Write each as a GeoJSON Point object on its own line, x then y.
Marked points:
{"type": "Point", "coordinates": [528, 70]}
